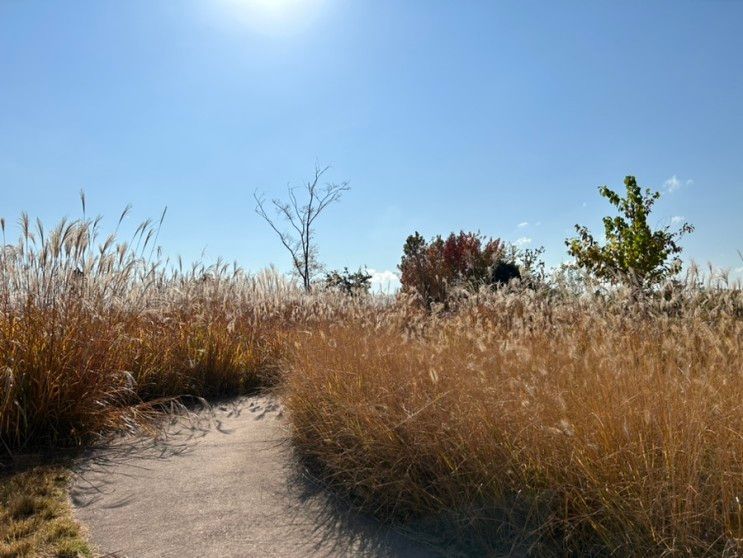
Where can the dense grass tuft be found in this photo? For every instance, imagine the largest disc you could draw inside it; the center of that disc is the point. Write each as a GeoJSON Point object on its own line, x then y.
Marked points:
{"type": "Point", "coordinates": [93, 335]}
{"type": "Point", "coordinates": [538, 419]}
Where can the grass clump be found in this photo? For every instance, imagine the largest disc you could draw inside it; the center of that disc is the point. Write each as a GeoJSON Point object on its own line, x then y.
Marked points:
{"type": "Point", "coordinates": [95, 334]}
{"type": "Point", "coordinates": [537, 420]}
{"type": "Point", "coordinates": [35, 516]}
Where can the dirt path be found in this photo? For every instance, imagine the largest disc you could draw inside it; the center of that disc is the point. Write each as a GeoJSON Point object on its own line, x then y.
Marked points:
{"type": "Point", "coordinates": [227, 487]}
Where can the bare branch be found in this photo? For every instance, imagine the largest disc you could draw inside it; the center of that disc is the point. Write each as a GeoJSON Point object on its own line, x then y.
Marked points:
{"type": "Point", "coordinates": [283, 237]}
{"type": "Point", "coordinates": [285, 210]}
{"type": "Point", "coordinates": [301, 218]}
{"type": "Point", "coordinates": [333, 193]}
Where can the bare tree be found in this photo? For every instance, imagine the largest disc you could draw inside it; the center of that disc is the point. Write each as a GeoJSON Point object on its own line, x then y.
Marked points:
{"type": "Point", "coordinates": [299, 240]}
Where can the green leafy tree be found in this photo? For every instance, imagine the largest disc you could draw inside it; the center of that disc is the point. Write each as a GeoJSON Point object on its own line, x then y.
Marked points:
{"type": "Point", "coordinates": [633, 254]}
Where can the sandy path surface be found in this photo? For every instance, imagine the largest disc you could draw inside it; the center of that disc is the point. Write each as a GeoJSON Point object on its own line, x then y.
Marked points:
{"type": "Point", "coordinates": [227, 486]}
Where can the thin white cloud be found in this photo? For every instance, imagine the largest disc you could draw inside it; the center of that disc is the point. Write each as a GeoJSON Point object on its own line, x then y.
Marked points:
{"type": "Point", "coordinates": [523, 241]}
{"type": "Point", "coordinates": [523, 224]}
{"type": "Point", "coordinates": [677, 219]}
{"type": "Point", "coordinates": [674, 183]}
{"type": "Point", "coordinates": [384, 281]}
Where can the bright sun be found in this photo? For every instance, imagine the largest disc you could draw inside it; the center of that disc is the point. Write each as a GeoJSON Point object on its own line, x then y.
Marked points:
{"type": "Point", "coordinates": [272, 7]}
{"type": "Point", "coordinates": [275, 16]}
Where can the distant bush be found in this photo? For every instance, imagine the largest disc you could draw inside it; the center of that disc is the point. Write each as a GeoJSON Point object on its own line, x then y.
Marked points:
{"type": "Point", "coordinates": [345, 282]}
{"type": "Point", "coordinates": [469, 260]}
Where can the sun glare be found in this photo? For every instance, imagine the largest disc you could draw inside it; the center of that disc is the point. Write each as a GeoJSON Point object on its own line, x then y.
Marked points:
{"type": "Point", "coordinates": [274, 7]}
{"type": "Point", "coordinates": [274, 16]}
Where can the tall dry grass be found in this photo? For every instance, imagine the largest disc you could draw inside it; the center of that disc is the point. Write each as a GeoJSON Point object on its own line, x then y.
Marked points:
{"type": "Point", "coordinates": [537, 420]}
{"type": "Point", "coordinates": [94, 332]}
{"type": "Point", "coordinates": [547, 419]}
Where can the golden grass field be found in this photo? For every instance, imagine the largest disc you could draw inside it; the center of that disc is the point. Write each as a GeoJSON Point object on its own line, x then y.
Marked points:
{"type": "Point", "coordinates": [599, 426]}
{"type": "Point", "coordinates": [546, 419]}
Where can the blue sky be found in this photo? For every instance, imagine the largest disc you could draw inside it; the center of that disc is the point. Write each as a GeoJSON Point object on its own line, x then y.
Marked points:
{"type": "Point", "coordinates": [502, 117]}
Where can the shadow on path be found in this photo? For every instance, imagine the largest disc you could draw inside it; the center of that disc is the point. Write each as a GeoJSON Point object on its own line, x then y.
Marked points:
{"type": "Point", "coordinates": [222, 482]}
